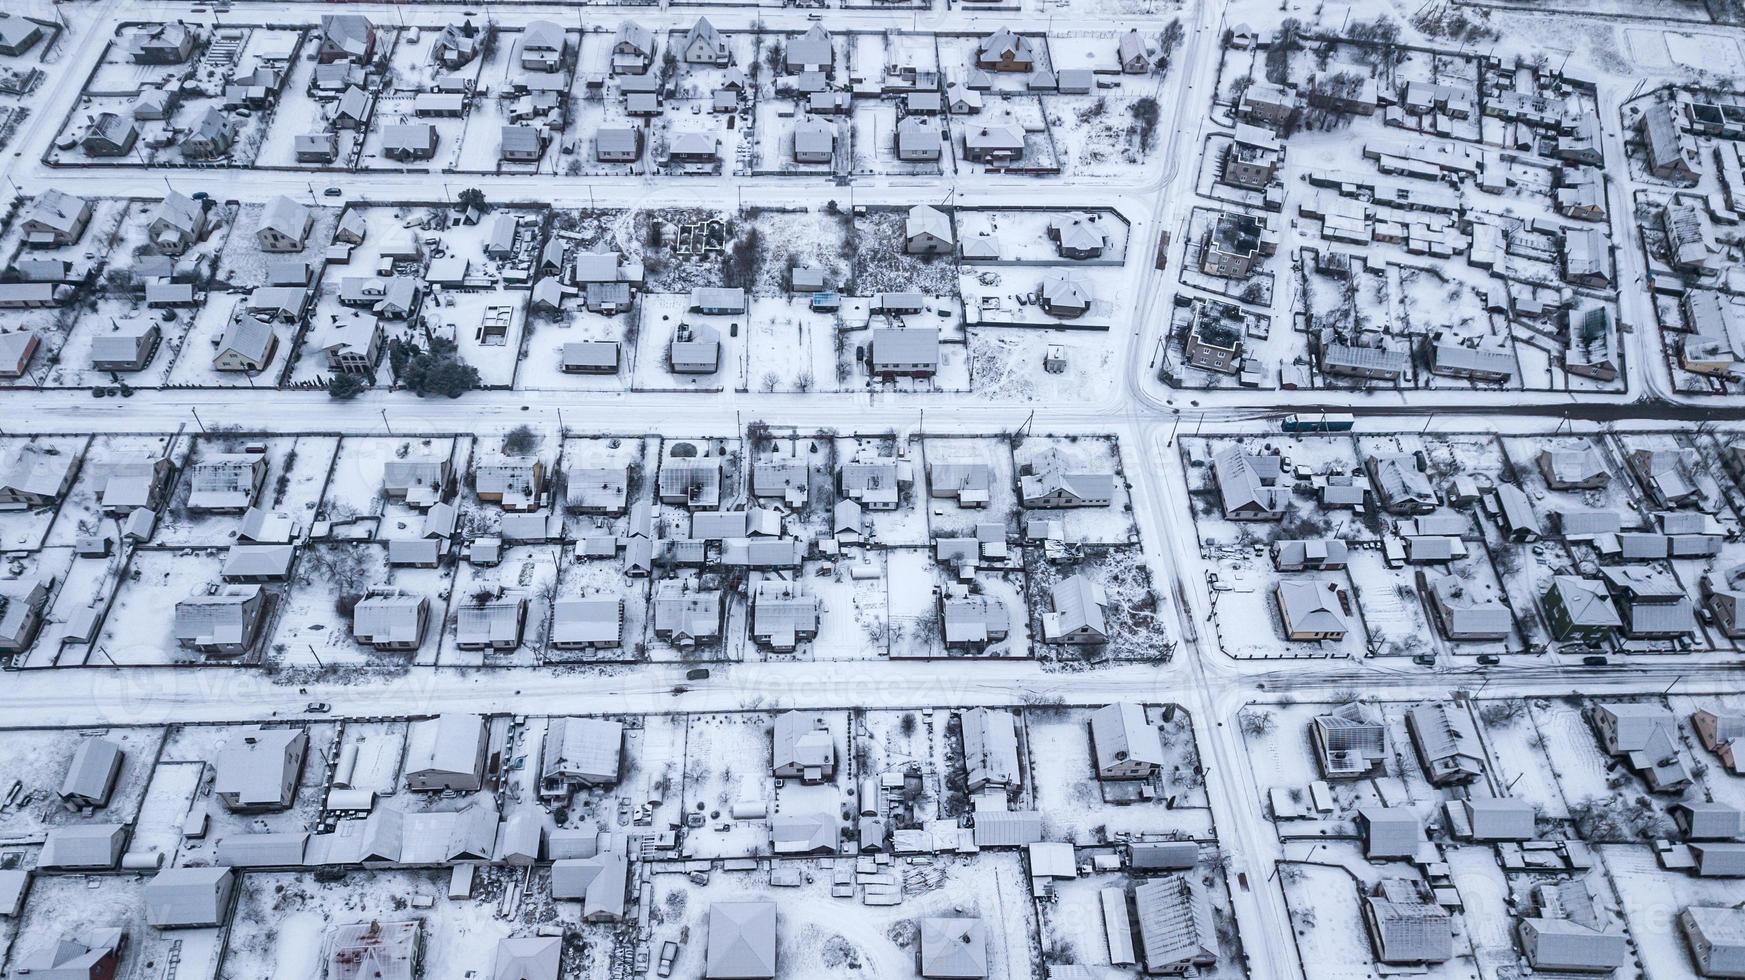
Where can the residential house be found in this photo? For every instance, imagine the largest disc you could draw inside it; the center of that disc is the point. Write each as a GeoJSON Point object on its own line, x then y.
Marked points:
{"type": "Point", "coordinates": [1312, 609]}
{"type": "Point", "coordinates": [284, 226]}
{"type": "Point", "coordinates": [1569, 932]}
{"type": "Point", "coordinates": [813, 51]}
{"type": "Point", "coordinates": [1652, 604]}
{"type": "Point", "coordinates": [55, 220]}
{"type": "Point", "coordinates": [346, 37]}
{"type": "Point", "coordinates": [704, 45]}
{"type": "Point", "coordinates": [1124, 742]}
{"type": "Point", "coordinates": [543, 46]}
{"type": "Point", "coordinates": [685, 617]}
{"type": "Point", "coordinates": [210, 137]}
{"type": "Point", "coordinates": [783, 616]}
{"type": "Point", "coordinates": [1247, 485]}
{"type": "Point", "coordinates": [894, 352]}
{"type": "Point", "coordinates": [189, 897]}
{"type": "Point", "coordinates": [927, 231]}
{"type": "Point", "coordinates": [580, 753]}
{"type": "Point", "coordinates": [1646, 737]}
{"type": "Point", "coordinates": [1177, 932]}
{"type": "Point", "coordinates": [37, 477]}
{"type": "Point", "coordinates": [111, 134]}
{"type": "Point", "coordinates": [1446, 739]}
{"type": "Point", "coordinates": [1406, 926]}
{"type": "Point", "coordinates": [1005, 51]}
{"type": "Point", "coordinates": [803, 748]}
{"type": "Point", "coordinates": [177, 224]}
{"type": "Point", "coordinates": [389, 619]}
{"type": "Point", "coordinates": [258, 768]}
{"type": "Point", "coordinates": [1716, 938]}
{"type": "Point", "coordinates": [1080, 612]}
{"type": "Point", "coordinates": [741, 941]}
{"type": "Point", "coordinates": [494, 624]}
{"type": "Point", "coordinates": [990, 750]}
{"type": "Point", "coordinates": [632, 49]}
{"type": "Point", "coordinates": [1349, 742]}
{"type": "Point", "coordinates": [447, 753]}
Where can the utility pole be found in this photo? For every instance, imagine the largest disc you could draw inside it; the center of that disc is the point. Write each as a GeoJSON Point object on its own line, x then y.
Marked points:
{"type": "Point", "coordinates": [197, 419]}
{"type": "Point", "coordinates": [317, 656]}
{"type": "Point", "coordinates": [385, 424]}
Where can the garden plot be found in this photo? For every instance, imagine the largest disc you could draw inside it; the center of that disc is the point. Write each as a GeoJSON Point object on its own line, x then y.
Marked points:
{"type": "Point", "coordinates": [1103, 135]}
{"type": "Point", "coordinates": [654, 761]}
{"type": "Point", "coordinates": [27, 530]}
{"type": "Point", "coordinates": [1651, 899]}
{"type": "Point", "coordinates": [948, 518]}
{"type": "Point", "coordinates": [1275, 740]}
{"type": "Point", "coordinates": [1023, 234]}
{"type": "Point", "coordinates": [355, 487]}
{"type": "Point", "coordinates": [700, 81]}
{"type": "Point", "coordinates": [1072, 922]}
{"type": "Point", "coordinates": [242, 264]}
{"type": "Point", "coordinates": [776, 120]}
{"type": "Point", "coordinates": [635, 454]}
{"type": "Point", "coordinates": [880, 264]}
{"type": "Point", "coordinates": [114, 312]}
{"type": "Point", "coordinates": [1325, 910]}
{"type": "Point", "coordinates": [1517, 755]}
{"type": "Point", "coordinates": [1392, 610]}
{"type": "Point", "coordinates": [907, 524]}
{"type": "Point", "coordinates": [297, 468]}
{"type": "Point", "coordinates": [163, 813]}
{"type": "Point", "coordinates": [813, 450]}
{"type": "Point", "coordinates": [855, 622]}
{"type": "Point", "coordinates": [192, 364]}
{"type": "Point", "coordinates": [378, 750]}
{"type": "Point", "coordinates": [298, 112]}
{"type": "Point", "coordinates": [530, 572]}
{"type": "Point", "coordinates": [283, 921]}
{"type": "Point", "coordinates": [546, 335]}
{"type": "Point", "coordinates": [1110, 525]}
{"type": "Point", "coordinates": [79, 905]}
{"type": "Point", "coordinates": [1584, 771]}
{"type": "Point", "coordinates": [1024, 113]}
{"type": "Point", "coordinates": [1303, 517]}
{"type": "Point", "coordinates": [1008, 296]}
{"type": "Point", "coordinates": [873, 144]}
{"type": "Point", "coordinates": [957, 52]}
{"type": "Point", "coordinates": [204, 743]}
{"type": "Point", "coordinates": [159, 142]}
{"type": "Point", "coordinates": [88, 254]}
{"type": "Point", "coordinates": [901, 742]}
{"type": "Point", "coordinates": [662, 316]}
{"type": "Point", "coordinates": [1003, 364]}
{"type": "Point", "coordinates": [1078, 807]}
{"type": "Point", "coordinates": [727, 760]}
{"type": "Point", "coordinates": [481, 141]}
{"type": "Point", "coordinates": [790, 347]}
{"type": "Point", "coordinates": [1487, 911]}
{"type": "Point", "coordinates": [82, 588]}
{"type": "Point", "coordinates": [37, 759]}
{"type": "Point", "coordinates": [315, 618]}
{"type": "Point", "coordinates": [734, 144]}
{"type": "Point", "coordinates": [1133, 617]}
{"type": "Point", "coordinates": [606, 580]}
{"type": "Point", "coordinates": [819, 935]}
{"type": "Point", "coordinates": [139, 628]}
{"type": "Point", "coordinates": [80, 510]}
{"type": "Point", "coordinates": [786, 239]}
